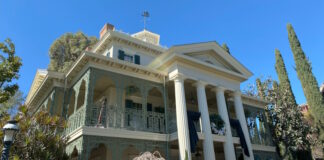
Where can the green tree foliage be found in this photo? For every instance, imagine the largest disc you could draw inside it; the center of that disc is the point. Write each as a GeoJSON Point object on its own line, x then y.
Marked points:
{"type": "Point", "coordinates": [39, 136]}
{"type": "Point", "coordinates": [308, 81]}
{"type": "Point", "coordinates": [12, 104]}
{"type": "Point", "coordinates": [66, 49]}
{"type": "Point", "coordinates": [288, 128]}
{"type": "Point", "coordinates": [9, 68]}
{"type": "Point", "coordinates": [225, 47]}
{"type": "Point", "coordinates": [284, 82]}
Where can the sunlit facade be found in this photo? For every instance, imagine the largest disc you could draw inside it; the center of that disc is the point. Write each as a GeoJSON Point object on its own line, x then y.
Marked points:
{"type": "Point", "coordinates": [128, 94]}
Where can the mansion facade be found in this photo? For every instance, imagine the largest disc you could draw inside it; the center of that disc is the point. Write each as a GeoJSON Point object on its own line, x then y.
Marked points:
{"type": "Point", "coordinates": [128, 94]}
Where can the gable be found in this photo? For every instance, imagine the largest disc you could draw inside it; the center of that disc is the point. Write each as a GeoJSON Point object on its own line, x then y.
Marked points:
{"type": "Point", "coordinates": [228, 61]}
{"type": "Point", "coordinates": [212, 58]}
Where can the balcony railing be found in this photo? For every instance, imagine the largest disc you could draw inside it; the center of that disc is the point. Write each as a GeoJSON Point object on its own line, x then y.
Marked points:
{"type": "Point", "coordinates": [75, 120]}
{"type": "Point", "coordinates": [134, 119]}
{"type": "Point", "coordinates": [129, 119]}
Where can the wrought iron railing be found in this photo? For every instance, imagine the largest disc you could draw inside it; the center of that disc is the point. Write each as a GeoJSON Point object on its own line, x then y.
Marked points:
{"type": "Point", "coordinates": [76, 120]}
{"type": "Point", "coordinates": [127, 118]}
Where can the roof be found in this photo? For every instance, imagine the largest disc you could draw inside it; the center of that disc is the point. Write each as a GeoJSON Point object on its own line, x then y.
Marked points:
{"type": "Point", "coordinates": [38, 79]}
{"type": "Point", "coordinates": [178, 51]}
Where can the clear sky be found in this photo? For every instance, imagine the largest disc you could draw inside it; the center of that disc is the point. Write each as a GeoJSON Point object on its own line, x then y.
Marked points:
{"type": "Point", "coordinates": [252, 29]}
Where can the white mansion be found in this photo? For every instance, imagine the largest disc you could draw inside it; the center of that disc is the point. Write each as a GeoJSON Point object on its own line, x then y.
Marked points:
{"type": "Point", "coordinates": [128, 94]}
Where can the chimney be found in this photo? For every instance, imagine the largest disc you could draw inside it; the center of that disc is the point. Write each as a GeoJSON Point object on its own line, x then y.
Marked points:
{"type": "Point", "coordinates": [106, 28]}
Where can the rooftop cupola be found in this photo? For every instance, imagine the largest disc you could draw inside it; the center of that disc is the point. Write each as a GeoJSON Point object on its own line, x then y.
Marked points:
{"type": "Point", "coordinates": [147, 36]}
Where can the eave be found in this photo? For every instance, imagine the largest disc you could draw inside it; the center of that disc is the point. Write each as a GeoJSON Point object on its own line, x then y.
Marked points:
{"type": "Point", "coordinates": [50, 80]}
{"type": "Point", "coordinates": [127, 39]}
{"type": "Point", "coordinates": [104, 62]}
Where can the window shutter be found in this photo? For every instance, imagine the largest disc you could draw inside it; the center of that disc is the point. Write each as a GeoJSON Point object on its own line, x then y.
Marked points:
{"type": "Point", "coordinates": [121, 54]}
{"type": "Point", "coordinates": [137, 59]}
{"type": "Point", "coordinates": [128, 103]}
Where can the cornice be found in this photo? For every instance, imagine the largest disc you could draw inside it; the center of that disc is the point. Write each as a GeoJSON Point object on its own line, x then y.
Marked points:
{"type": "Point", "coordinates": [100, 62]}
{"type": "Point", "coordinates": [128, 40]}
{"type": "Point", "coordinates": [52, 79]}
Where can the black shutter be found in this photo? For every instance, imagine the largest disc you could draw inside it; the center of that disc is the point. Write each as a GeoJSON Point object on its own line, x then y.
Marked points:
{"type": "Point", "coordinates": [137, 59]}
{"type": "Point", "coordinates": [121, 54]}
{"type": "Point", "coordinates": [128, 103]}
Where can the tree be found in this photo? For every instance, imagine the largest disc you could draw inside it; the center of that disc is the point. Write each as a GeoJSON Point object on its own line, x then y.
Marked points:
{"type": "Point", "coordinates": [284, 82]}
{"type": "Point", "coordinates": [308, 81]}
{"type": "Point", "coordinates": [12, 104]}
{"type": "Point", "coordinates": [67, 48]}
{"type": "Point", "coordinates": [9, 68]}
{"type": "Point", "coordinates": [39, 136]}
{"type": "Point", "coordinates": [225, 47]}
{"type": "Point", "coordinates": [288, 129]}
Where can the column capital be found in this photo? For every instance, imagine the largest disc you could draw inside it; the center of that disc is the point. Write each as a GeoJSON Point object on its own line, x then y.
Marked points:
{"type": "Point", "coordinates": [200, 83]}
{"type": "Point", "coordinates": [177, 77]}
{"type": "Point", "coordinates": [219, 89]}
{"type": "Point", "coordinates": [237, 93]}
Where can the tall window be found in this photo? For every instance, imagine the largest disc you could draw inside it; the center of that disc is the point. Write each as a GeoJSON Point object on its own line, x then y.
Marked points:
{"type": "Point", "coordinates": [128, 58]}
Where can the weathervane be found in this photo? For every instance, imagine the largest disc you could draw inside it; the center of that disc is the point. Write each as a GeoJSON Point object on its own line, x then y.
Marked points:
{"type": "Point", "coordinates": [145, 15]}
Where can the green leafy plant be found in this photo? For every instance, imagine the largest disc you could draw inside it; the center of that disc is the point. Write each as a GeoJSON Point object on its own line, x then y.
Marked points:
{"type": "Point", "coordinates": [9, 68]}
{"type": "Point", "coordinates": [39, 137]}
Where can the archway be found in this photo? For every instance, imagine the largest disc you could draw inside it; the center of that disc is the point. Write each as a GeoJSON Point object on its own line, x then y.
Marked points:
{"type": "Point", "coordinates": [71, 103]}
{"type": "Point", "coordinates": [49, 104]}
{"type": "Point", "coordinates": [155, 120]}
{"type": "Point", "coordinates": [132, 100]}
{"type": "Point", "coordinates": [74, 155]}
{"type": "Point", "coordinates": [100, 153]}
{"type": "Point", "coordinates": [81, 96]}
{"type": "Point", "coordinates": [104, 102]}
{"type": "Point", "coordinates": [130, 153]}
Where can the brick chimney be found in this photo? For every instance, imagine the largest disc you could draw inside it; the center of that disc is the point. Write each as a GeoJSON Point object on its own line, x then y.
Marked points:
{"type": "Point", "coordinates": [106, 28]}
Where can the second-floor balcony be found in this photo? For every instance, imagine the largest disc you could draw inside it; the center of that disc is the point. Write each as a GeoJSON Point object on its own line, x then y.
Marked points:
{"type": "Point", "coordinates": [129, 118]}
{"type": "Point", "coordinates": [134, 105]}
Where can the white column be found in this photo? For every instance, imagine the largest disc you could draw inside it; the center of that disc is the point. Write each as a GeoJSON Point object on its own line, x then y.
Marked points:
{"type": "Point", "coordinates": [182, 119]}
{"type": "Point", "coordinates": [222, 110]}
{"type": "Point", "coordinates": [239, 111]}
{"type": "Point", "coordinates": [208, 143]}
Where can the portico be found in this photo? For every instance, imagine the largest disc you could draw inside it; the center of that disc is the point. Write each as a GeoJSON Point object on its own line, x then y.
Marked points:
{"type": "Point", "coordinates": [182, 124]}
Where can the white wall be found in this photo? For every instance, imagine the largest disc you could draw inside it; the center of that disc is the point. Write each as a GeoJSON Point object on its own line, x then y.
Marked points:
{"type": "Point", "coordinates": [145, 58]}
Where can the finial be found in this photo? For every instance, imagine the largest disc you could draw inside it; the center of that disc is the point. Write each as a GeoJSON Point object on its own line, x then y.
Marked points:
{"type": "Point", "coordinates": [145, 15]}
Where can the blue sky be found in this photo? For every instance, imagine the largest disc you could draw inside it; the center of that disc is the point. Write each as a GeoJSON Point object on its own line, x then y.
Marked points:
{"type": "Point", "coordinates": [252, 29]}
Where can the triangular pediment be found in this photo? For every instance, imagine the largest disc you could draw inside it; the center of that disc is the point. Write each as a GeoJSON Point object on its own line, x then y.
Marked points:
{"type": "Point", "coordinates": [212, 58]}
{"type": "Point", "coordinates": [207, 55]}
{"type": "Point", "coordinates": [212, 54]}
